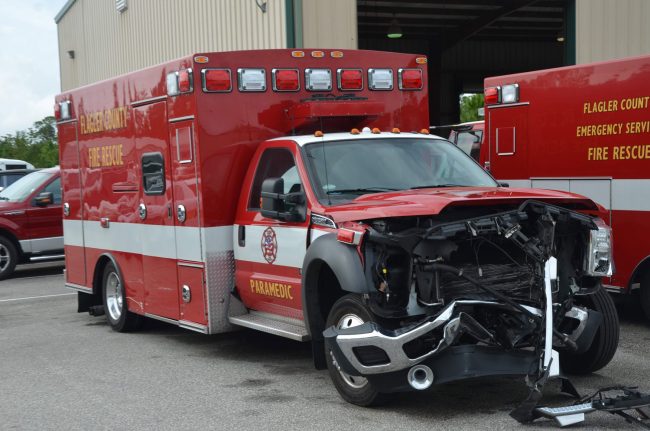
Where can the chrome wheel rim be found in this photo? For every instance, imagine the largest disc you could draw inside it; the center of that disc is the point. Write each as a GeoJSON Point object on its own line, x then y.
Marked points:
{"type": "Point", "coordinates": [349, 321]}
{"type": "Point", "coordinates": [5, 258]}
{"type": "Point", "coordinates": [114, 296]}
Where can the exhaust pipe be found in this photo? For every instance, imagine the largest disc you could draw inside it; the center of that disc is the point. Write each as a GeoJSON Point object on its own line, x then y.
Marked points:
{"type": "Point", "coordinates": [420, 377]}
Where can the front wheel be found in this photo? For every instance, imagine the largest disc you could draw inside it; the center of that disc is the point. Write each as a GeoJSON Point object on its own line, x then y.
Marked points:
{"type": "Point", "coordinates": [605, 342]}
{"type": "Point", "coordinates": [117, 313]}
{"type": "Point", "coordinates": [347, 312]}
{"type": "Point", "coordinates": [8, 258]}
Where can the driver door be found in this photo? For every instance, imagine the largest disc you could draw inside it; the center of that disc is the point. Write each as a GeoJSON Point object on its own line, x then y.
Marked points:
{"type": "Point", "coordinates": [269, 253]}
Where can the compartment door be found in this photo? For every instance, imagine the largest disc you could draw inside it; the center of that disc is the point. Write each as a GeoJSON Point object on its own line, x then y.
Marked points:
{"type": "Point", "coordinates": [508, 142]}
{"type": "Point", "coordinates": [157, 234]}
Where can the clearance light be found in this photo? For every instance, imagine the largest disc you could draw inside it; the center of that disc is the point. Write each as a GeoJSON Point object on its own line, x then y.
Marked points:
{"type": "Point", "coordinates": [510, 93]}
{"type": "Point", "coordinates": [492, 95]}
{"type": "Point", "coordinates": [317, 54]}
{"type": "Point", "coordinates": [318, 79]}
{"type": "Point", "coordinates": [185, 81]}
{"type": "Point", "coordinates": [285, 79]}
{"type": "Point", "coordinates": [349, 79]}
{"type": "Point", "coordinates": [354, 132]}
{"type": "Point", "coordinates": [216, 80]}
{"type": "Point", "coordinates": [201, 59]}
{"type": "Point", "coordinates": [297, 54]}
{"type": "Point", "coordinates": [421, 60]}
{"type": "Point", "coordinates": [395, 130]}
{"type": "Point", "coordinates": [409, 79]}
{"type": "Point", "coordinates": [346, 236]}
{"type": "Point", "coordinates": [376, 131]}
{"type": "Point", "coordinates": [318, 134]}
{"type": "Point", "coordinates": [251, 79]}
{"type": "Point", "coordinates": [380, 79]}
{"type": "Point", "coordinates": [64, 110]}
{"type": "Point", "coordinates": [179, 82]}
{"type": "Point", "coordinates": [425, 132]}
{"type": "Point", "coordinates": [336, 54]}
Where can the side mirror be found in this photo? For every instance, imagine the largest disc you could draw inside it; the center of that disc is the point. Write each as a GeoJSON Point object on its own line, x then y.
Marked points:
{"type": "Point", "coordinates": [280, 206]}
{"type": "Point", "coordinates": [502, 184]}
{"type": "Point", "coordinates": [44, 199]}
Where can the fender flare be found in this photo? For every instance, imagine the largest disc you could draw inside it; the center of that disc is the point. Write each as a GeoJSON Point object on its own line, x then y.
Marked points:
{"type": "Point", "coordinates": [345, 263]}
{"type": "Point", "coordinates": [97, 277]}
{"type": "Point", "coordinates": [637, 273]}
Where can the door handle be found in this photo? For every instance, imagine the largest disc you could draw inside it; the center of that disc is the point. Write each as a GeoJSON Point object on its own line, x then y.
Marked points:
{"type": "Point", "coordinates": [241, 236]}
{"type": "Point", "coordinates": [169, 211]}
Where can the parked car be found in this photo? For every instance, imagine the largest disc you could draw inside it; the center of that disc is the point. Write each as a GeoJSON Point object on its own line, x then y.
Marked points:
{"type": "Point", "coordinates": [9, 177]}
{"type": "Point", "coordinates": [31, 221]}
{"type": "Point", "coordinates": [13, 164]}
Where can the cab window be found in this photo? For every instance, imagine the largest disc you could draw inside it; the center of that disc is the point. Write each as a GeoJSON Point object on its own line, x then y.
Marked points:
{"type": "Point", "coordinates": [274, 163]}
{"type": "Point", "coordinates": [470, 142]}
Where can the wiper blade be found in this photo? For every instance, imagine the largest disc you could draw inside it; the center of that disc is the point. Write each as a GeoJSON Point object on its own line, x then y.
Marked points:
{"type": "Point", "coordinates": [362, 190]}
{"type": "Point", "coordinates": [433, 186]}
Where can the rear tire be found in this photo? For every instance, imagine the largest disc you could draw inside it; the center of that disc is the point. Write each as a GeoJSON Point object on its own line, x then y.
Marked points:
{"type": "Point", "coordinates": [8, 257]}
{"type": "Point", "coordinates": [347, 312]}
{"type": "Point", "coordinates": [115, 304]}
{"type": "Point", "coordinates": [645, 295]}
{"type": "Point", "coordinates": [605, 342]}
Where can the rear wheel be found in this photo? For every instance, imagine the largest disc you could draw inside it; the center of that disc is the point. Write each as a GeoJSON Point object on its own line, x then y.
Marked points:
{"type": "Point", "coordinates": [605, 342]}
{"type": "Point", "coordinates": [117, 313]}
{"type": "Point", "coordinates": [8, 258]}
{"type": "Point", "coordinates": [645, 294]}
{"type": "Point", "coordinates": [347, 312]}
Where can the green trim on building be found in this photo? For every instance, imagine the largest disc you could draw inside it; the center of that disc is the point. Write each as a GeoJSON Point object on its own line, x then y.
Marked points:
{"type": "Point", "coordinates": [570, 36]}
{"type": "Point", "coordinates": [290, 20]}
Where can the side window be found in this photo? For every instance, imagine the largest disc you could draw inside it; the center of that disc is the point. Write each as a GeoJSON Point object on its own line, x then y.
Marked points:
{"type": "Point", "coordinates": [55, 188]}
{"type": "Point", "coordinates": [153, 173]}
{"type": "Point", "coordinates": [274, 163]}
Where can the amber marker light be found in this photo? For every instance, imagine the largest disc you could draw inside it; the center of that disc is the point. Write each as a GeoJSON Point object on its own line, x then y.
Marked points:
{"type": "Point", "coordinates": [421, 60]}
{"type": "Point", "coordinates": [354, 131]}
{"type": "Point", "coordinates": [376, 131]}
{"type": "Point", "coordinates": [201, 59]}
{"type": "Point", "coordinates": [336, 54]}
{"type": "Point", "coordinates": [425, 131]}
{"type": "Point", "coordinates": [318, 134]}
{"type": "Point", "coordinates": [297, 54]}
{"type": "Point", "coordinates": [317, 54]}
{"type": "Point", "coordinates": [395, 130]}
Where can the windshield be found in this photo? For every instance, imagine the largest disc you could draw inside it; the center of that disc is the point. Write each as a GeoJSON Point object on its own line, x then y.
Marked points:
{"type": "Point", "coordinates": [22, 188]}
{"type": "Point", "coordinates": [343, 170]}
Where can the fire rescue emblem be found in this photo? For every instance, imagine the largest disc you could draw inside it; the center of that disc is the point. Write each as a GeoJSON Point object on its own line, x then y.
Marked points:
{"type": "Point", "coordinates": [269, 245]}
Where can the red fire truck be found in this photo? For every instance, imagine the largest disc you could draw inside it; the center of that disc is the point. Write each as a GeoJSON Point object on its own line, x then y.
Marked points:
{"type": "Point", "coordinates": [584, 129]}
{"type": "Point", "coordinates": [300, 193]}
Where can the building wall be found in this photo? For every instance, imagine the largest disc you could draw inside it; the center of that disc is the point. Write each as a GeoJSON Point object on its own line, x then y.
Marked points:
{"type": "Point", "coordinates": [107, 43]}
{"type": "Point", "coordinates": [329, 24]}
{"type": "Point", "coordinates": [611, 29]}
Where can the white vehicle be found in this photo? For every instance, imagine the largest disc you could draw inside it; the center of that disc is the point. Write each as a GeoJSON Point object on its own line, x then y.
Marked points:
{"type": "Point", "coordinates": [11, 164]}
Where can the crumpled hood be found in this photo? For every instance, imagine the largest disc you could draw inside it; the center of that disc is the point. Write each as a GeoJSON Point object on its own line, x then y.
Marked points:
{"type": "Point", "coordinates": [432, 201]}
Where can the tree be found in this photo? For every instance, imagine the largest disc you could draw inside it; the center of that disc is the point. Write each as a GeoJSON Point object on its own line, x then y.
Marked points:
{"type": "Point", "coordinates": [469, 104]}
{"type": "Point", "coordinates": [37, 145]}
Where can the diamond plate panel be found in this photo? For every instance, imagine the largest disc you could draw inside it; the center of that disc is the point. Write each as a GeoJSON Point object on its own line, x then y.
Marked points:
{"type": "Point", "coordinates": [220, 280]}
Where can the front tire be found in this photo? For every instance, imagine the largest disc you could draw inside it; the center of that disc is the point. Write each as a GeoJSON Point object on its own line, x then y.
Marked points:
{"type": "Point", "coordinates": [605, 342]}
{"type": "Point", "coordinates": [113, 294]}
{"type": "Point", "coordinates": [347, 312]}
{"type": "Point", "coordinates": [8, 258]}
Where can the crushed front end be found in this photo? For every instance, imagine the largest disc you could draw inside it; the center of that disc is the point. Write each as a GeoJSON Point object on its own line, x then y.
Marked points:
{"type": "Point", "coordinates": [475, 291]}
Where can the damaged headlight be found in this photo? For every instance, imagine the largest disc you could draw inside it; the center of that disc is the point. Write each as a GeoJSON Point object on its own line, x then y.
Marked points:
{"type": "Point", "coordinates": [599, 260]}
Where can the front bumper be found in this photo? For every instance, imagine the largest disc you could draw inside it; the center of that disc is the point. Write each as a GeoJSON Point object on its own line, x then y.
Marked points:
{"type": "Point", "coordinates": [380, 355]}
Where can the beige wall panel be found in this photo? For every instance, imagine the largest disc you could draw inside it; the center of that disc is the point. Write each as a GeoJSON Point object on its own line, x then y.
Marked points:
{"type": "Point", "coordinates": [108, 43]}
{"type": "Point", "coordinates": [329, 24]}
{"type": "Point", "coordinates": [611, 29]}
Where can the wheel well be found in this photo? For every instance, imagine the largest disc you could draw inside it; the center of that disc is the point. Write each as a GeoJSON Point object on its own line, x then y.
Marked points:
{"type": "Point", "coordinates": [98, 274]}
{"type": "Point", "coordinates": [11, 237]}
{"type": "Point", "coordinates": [321, 291]}
{"type": "Point", "coordinates": [642, 269]}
